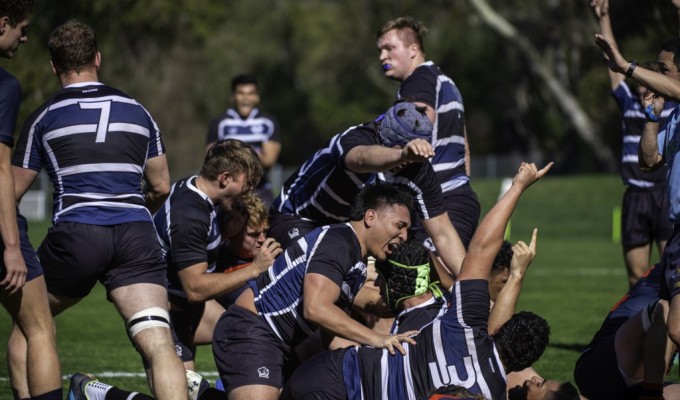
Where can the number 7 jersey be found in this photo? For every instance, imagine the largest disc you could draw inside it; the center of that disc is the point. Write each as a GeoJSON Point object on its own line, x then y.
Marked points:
{"type": "Point", "coordinates": [94, 142]}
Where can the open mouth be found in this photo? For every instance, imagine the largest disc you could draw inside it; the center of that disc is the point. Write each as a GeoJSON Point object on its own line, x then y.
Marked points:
{"type": "Point", "coordinates": [387, 67]}
{"type": "Point", "coordinates": [391, 247]}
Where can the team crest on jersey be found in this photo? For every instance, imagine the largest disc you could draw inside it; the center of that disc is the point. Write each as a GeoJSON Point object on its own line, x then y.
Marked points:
{"type": "Point", "coordinates": [293, 233]}
{"type": "Point", "coordinates": [263, 372]}
{"type": "Point", "coordinates": [178, 350]}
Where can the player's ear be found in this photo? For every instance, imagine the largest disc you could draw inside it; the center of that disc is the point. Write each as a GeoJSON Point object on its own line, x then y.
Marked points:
{"type": "Point", "coordinates": [369, 217]}
{"type": "Point", "coordinates": [4, 23]}
{"type": "Point", "coordinates": [224, 178]}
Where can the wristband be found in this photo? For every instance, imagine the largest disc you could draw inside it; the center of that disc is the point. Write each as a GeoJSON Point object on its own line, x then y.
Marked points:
{"type": "Point", "coordinates": [631, 68]}
{"type": "Point", "coordinates": [649, 112]}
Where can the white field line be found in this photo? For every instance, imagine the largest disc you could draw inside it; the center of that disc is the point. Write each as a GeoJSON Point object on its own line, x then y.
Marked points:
{"type": "Point", "coordinates": [120, 374]}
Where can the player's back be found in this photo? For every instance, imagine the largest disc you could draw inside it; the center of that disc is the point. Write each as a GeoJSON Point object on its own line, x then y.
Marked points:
{"type": "Point", "coordinates": [94, 142]}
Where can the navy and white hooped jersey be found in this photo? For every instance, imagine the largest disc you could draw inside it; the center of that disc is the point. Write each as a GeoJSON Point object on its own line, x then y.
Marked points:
{"type": "Point", "coordinates": [332, 251]}
{"type": "Point", "coordinates": [632, 125]}
{"type": "Point", "coordinates": [454, 349]}
{"type": "Point", "coordinates": [256, 129]}
{"type": "Point", "coordinates": [429, 85]}
{"type": "Point", "coordinates": [188, 228]}
{"type": "Point", "coordinates": [10, 101]}
{"type": "Point", "coordinates": [94, 142]}
{"type": "Point", "coordinates": [323, 188]}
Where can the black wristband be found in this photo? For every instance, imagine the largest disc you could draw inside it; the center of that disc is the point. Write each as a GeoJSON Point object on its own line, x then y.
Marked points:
{"type": "Point", "coordinates": [631, 68]}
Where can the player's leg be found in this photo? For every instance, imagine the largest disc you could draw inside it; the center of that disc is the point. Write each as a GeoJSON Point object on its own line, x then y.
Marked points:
{"type": "Point", "coordinates": [184, 320]}
{"type": "Point", "coordinates": [32, 354]}
{"type": "Point", "coordinates": [638, 219]}
{"type": "Point", "coordinates": [135, 280]}
{"type": "Point", "coordinates": [641, 345]}
{"type": "Point", "coordinates": [637, 262]}
{"type": "Point", "coordinates": [144, 308]}
{"type": "Point", "coordinates": [249, 356]}
{"type": "Point", "coordinates": [212, 312]}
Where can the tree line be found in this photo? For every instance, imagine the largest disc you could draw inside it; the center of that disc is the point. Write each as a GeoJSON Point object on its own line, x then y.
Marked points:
{"type": "Point", "coordinates": [540, 91]}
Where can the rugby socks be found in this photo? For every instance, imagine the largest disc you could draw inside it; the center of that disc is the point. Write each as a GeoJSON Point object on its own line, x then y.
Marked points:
{"type": "Point", "coordinates": [651, 391]}
{"type": "Point", "coordinates": [97, 390]}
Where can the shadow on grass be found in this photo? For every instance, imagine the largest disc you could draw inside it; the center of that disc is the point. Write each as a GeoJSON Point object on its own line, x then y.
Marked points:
{"type": "Point", "coordinates": [577, 347]}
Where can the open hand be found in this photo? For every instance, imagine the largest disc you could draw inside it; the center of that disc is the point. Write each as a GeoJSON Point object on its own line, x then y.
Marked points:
{"type": "Point", "coordinates": [392, 342]}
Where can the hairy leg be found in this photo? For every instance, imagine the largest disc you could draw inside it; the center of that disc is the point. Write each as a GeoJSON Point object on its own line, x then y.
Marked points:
{"type": "Point", "coordinates": [155, 343]}
{"type": "Point", "coordinates": [32, 354]}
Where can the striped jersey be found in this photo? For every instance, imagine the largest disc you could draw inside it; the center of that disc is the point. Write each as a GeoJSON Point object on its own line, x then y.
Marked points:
{"type": "Point", "coordinates": [255, 130]}
{"type": "Point", "coordinates": [10, 101]}
{"type": "Point", "coordinates": [94, 142]}
{"type": "Point", "coordinates": [454, 349]}
{"type": "Point", "coordinates": [332, 251]}
{"type": "Point", "coordinates": [428, 84]}
{"type": "Point", "coordinates": [632, 125]}
{"type": "Point", "coordinates": [323, 188]}
{"type": "Point", "coordinates": [188, 228]}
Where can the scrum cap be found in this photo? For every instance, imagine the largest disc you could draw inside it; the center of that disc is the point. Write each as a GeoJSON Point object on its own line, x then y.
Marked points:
{"type": "Point", "coordinates": [402, 123]}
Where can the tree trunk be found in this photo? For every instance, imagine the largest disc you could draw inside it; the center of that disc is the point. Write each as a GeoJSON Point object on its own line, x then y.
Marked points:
{"type": "Point", "coordinates": [564, 98]}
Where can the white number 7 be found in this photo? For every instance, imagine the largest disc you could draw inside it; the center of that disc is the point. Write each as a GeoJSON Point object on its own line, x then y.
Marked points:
{"type": "Point", "coordinates": [103, 126]}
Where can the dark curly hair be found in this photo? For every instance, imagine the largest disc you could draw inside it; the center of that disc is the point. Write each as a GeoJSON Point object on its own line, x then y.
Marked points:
{"type": "Point", "coordinates": [503, 258]}
{"type": "Point", "coordinates": [522, 340]}
{"type": "Point", "coordinates": [567, 391]}
{"type": "Point", "coordinates": [377, 196]}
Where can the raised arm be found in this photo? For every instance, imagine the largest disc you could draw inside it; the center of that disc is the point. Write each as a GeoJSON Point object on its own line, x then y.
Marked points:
{"type": "Point", "coordinates": [450, 248]}
{"type": "Point", "coordinates": [660, 84]}
{"type": "Point", "coordinates": [601, 10]}
{"type": "Point", "coordinates": [378, 158]}
{"type": "Point", "coordinates": [506, 302]}
{"type": "Point", "coordinates": [488, 237]}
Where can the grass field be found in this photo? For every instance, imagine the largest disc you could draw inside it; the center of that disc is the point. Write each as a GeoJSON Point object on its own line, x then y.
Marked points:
{"type": "Point", "coordinates": [577, 276]}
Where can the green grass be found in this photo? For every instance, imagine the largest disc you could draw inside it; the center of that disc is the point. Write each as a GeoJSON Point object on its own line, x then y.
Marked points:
{"type": "Point", "coordinates": [577, 276]}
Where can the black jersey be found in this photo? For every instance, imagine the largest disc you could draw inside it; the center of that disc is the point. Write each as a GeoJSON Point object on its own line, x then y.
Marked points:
{"type": "Point", "coordinates": [188, 228]}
